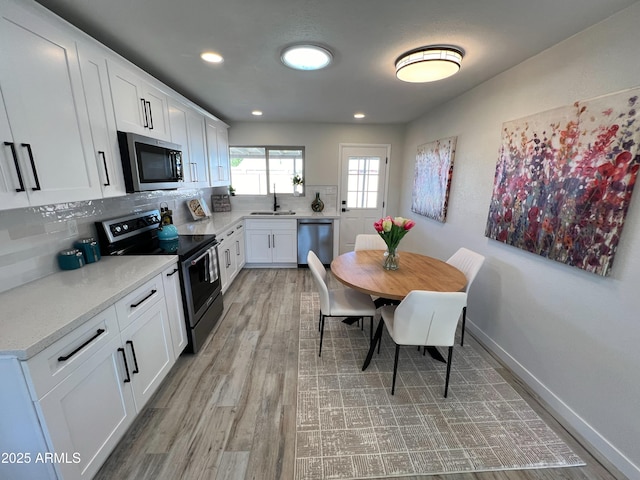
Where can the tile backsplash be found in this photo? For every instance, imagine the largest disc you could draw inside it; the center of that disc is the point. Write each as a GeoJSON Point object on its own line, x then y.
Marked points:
{"type": "Point", "coordinates": [31, 237]}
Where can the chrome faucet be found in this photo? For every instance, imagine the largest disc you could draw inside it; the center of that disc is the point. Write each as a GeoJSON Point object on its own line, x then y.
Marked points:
{"type": "Point", "coordinates": [275, 201]}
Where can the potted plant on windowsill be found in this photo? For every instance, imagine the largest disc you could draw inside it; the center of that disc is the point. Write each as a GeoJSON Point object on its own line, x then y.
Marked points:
{"type": "Point", "coordinates": [297, 181]}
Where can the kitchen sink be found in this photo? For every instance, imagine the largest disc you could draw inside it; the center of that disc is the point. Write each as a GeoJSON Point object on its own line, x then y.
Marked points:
{"type": "Point", "coordinates": [274, 213]}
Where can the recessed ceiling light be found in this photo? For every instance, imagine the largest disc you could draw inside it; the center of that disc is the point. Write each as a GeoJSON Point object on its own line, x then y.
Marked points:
{"type": "Point", "coordinates": [306, 57]}
{"type": "Point", "coordinates": [428, 64]}
{"type": "Point", "coordinates": [359, 115]}
{"type": "Point", "coordinates": [257, 113]}
{"type": "Point", "coordinates": [211, 57]}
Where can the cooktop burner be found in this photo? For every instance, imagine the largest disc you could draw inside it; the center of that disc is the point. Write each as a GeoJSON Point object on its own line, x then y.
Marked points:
{"type": "Point", "coordinates": [136, 235]}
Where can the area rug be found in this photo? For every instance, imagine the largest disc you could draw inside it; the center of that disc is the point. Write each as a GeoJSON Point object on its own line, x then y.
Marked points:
{"type": "Point", "coordinates": [349, 426]}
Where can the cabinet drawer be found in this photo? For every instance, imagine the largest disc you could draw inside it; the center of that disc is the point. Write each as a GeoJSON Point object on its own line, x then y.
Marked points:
{"type": "Point", "coordinates": [56, 362]}
{"type": "Point", "coordinates": [139, 301]}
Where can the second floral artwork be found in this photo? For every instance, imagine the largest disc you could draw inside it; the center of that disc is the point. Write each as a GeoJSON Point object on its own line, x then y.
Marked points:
{"type": "Point", "coordinates": [564, 180]}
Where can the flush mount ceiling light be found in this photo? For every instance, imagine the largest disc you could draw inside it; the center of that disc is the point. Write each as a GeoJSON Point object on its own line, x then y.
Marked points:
{"type": "Point", "coordinates": [306, 57]}
{"type": "Point", "coordinates": [428, 64]}
{"type": "Point", "coordinates": [256, 113]}
{"type": "Point", "coordinates": [359, 115]}
{"type": "Point", "coordinates": [211, 57]}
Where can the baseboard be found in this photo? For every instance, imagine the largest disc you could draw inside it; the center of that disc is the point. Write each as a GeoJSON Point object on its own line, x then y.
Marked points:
{"type": "Point", "coordinates": [599, 446]}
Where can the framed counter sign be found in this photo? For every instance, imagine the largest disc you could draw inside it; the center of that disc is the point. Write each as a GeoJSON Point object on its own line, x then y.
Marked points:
{"type": "Point", "coordinates": [564, 180]}
{"type": "Point", "coordinates": [432, 179]}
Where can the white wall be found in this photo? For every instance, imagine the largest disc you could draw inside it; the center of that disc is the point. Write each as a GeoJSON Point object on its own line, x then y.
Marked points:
{"type": "Point", "coordinates": [321, 142]}
{"type": "Point", "coordinates": [573, 336]}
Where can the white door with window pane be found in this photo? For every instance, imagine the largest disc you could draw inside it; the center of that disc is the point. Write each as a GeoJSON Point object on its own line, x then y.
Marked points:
{"type": "Point", "coordinates": [362, 190]}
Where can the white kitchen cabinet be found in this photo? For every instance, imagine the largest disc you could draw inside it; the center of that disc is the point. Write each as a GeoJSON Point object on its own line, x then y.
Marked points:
{"type": "Point", "coordinates": [45, 107]}
{"type": "Point", "coordinates": [97, 94]}
{"type": "Point", "coordinates": [175, 310]}
{"type": "Point", "coordinates": [231, 255]}
{"type": "Point", "coordinates": [88, 386]}
{"type": "Point", "coordinates": [218, 152]}
{"type": "Point", "coordinates": [187, 130]}
{"type": "Point", "coordinates": [271, 241]}
{"type": "Point", "coordinates": [147, 344]}
{"type": "Point", "coordinates": [89, 411]}
{"type": "Point", "coordinates": [139, 106]}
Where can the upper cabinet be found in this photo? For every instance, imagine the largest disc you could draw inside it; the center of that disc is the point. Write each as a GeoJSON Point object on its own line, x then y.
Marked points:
{"type": "Point", "coordinates": [46, 142]}
{"type": "Point", "coordinates": [187, 130]}
{"type": "Point", "coordinates": [218, 152]}
{"type": "Point", "coordinates": [102, 121]}
{"type": "Point", "coordinates": [139, 106]}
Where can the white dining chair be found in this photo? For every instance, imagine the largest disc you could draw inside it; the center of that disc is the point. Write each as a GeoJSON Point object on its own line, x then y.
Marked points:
{"type": "Point", "coordinates": [344, 302]}
{"type": "Point", "coordinates": [367, 241]}
{"type": "Point", "coordinates": [424, 318]}
{"type": "Point", "coordinates": [469, 263]}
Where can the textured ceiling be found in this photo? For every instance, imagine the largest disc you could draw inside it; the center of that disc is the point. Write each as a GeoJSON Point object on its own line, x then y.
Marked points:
{"type": "Point", "coordinates": [166, 37]}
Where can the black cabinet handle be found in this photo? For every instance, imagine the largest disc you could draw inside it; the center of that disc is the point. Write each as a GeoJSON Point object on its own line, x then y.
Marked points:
{"type": "Point", "coordinates": [64, 358]}
{"type": "Point", "coordinates": [134, 305]}
{"type": "Point", "coordinates": [15, 162]}
{"type": "Point", "coordinates": [135, 360]}
{"type": "Point", "coordinates": [144, 109]}
{"type": "Point", "coordinates": [172, 273]}
{"type": "Point", "coordinates": [150, 116]}
{"type": "Point", "coordinates": [126, 366]}
{"type": "Point", "coordinates": [106, 170]}
{"type": "Point", "coordinates": [33, 166]}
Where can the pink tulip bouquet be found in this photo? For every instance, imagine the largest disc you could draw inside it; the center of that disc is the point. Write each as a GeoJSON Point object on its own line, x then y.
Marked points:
{"type": "Point", "coordinates": [392, 230]}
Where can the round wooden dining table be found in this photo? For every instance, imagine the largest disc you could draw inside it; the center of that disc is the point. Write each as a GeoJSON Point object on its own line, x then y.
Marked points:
{"type": "Point", "coordinates": [362, 270]}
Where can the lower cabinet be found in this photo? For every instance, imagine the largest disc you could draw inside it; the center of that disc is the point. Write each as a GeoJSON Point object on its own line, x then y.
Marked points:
{"type": "Point", "coordinates": [271, 241]}
{"type": "Point", "coordinates": [89, 411]}
{"type": "Point", "coordinates": [231, 254]}
{"type": "Point", "coordinates": [89, 386]}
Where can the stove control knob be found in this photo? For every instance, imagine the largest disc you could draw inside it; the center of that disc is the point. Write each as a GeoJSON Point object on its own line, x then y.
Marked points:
{"type": "Point", "coordinates": [125, 227]}
{"type": "Point", "coordinates": [118, 229]}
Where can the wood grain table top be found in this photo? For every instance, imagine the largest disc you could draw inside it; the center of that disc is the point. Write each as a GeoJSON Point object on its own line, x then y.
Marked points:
{"type": "Point", "coordinates": [363, 271]}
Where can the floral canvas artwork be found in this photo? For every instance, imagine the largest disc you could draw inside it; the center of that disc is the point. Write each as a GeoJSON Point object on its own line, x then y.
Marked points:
{"type": "Point", "coordinates": [434, 166]}
{"type": "Point", "coordinates": [564, 180]}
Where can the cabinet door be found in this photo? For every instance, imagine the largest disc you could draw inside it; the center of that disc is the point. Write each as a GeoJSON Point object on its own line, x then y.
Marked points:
{"type": "Point", "coordinates": [223, 256]}
{"type": "Point", "coordinates": [211, 132]}
{"type": "Point", "coordinates": [157, 109]}
{"type": "Point", "coordinates": [285, 246]}
{"type": "Point", "coordinates": [239, 248]}
{"type": "Point", "coordinates": [128, 99]}
{"type": "Point", "coordinates": [175, 310]}
{"type": "Point", "coordinates": [198, 147]}
{"type": "Point", "coordinates": [147, 343]}
{"type": "Point", "coordinates": [89, 411]}
{"type": "Point", "coordinates": [102, 121]}
{"type": "Point", "coordinates": [42, 90]}
{"type": "Point", "coordinates": [224, 167]}
{"type": "Point", "coordinates": [258, 246]}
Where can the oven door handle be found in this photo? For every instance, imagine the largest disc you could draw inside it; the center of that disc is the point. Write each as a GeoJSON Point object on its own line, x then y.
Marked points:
{"type": "Point", "coordinates": [193, 262]}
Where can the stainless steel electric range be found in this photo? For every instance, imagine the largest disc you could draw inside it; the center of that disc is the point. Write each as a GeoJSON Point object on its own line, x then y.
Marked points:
{"type": "Point", "coordinates": [136, 234]}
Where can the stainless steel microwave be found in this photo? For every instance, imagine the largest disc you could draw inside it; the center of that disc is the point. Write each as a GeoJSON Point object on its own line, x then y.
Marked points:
{"type": "Point", "coordinates": [149, 164]}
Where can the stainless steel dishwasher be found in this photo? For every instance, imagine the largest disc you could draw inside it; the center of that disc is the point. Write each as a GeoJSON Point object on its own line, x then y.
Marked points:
{"type": "Point", "coordinates": [315, 234]}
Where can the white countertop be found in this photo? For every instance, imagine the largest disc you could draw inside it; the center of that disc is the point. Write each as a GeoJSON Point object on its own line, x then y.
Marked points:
{"type": "Point", "coordinates": [38, 313]}
{"type": "Point", "coordinates": [221, 221]}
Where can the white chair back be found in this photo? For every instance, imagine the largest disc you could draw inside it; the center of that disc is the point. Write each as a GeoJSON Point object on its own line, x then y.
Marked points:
{"type": "Point", "coordinates": [320, 277]}
{"type": "Point", "coordinates": [366, 241]}
{"type": "Point", "coordinates": [428, 318]}
{"type": "Point", "coordinates": [468, 262]}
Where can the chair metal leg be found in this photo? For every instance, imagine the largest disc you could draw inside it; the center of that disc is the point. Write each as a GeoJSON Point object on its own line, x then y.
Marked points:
{"type": "Point", "coordinates": [446, 382]}
{"type": "Point", "coordinates": [371, 330]}
{"type": "Point", "coordinates": [321, 333]}
{"type": "Point", "coordinates": [464, 319]}
{"type": "Point", "coordinates": [319, 319]}
{"type": "Point", "coordinates": [395, 370]}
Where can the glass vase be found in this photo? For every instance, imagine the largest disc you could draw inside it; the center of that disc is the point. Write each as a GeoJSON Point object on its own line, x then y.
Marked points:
{"type": "Point", "coordinates": [391, 259]}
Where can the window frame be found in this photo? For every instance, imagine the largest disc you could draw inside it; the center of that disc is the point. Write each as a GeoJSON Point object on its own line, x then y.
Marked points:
{"type": "Point", "coordinates": [268, 148]}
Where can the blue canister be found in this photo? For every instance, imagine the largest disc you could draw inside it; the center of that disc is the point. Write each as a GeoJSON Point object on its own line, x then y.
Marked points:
{"type": "Point", "coordinates": [70, 259]}
{"type": "Point", "coordinates": [89, 248]}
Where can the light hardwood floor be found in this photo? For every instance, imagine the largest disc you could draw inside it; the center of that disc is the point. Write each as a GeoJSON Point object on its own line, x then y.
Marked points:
{"type": "Point", "coordinates": [228, 413]}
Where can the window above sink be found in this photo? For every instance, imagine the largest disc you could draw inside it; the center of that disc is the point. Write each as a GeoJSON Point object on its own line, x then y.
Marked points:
{"type": "Point", "coordinates": [257, 170]}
